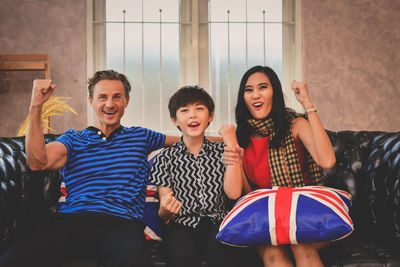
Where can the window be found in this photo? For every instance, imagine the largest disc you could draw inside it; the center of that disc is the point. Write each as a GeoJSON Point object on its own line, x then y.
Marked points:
{"type": "Point", "coordinates": [162, 45]}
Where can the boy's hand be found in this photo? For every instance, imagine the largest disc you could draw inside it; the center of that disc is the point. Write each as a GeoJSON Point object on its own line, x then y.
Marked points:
{"type": "Point", "coordinates": [169, 206]}
{"type": "Point", "coordinates": [232, 155]}
{"type": "Point", "coordinates": [228, 133]}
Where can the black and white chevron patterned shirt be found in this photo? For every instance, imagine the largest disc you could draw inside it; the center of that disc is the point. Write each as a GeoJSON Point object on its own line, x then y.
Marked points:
{"type": "Point", "coordinates": [197, 182]}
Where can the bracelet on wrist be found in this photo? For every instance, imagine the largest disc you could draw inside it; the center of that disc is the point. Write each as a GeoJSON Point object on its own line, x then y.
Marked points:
{"type": "Point", "coordinates": [310, 110]}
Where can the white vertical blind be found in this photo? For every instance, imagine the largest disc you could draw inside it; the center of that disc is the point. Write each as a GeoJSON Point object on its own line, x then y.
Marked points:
{"type": "Point", "coordinates": [151, 44]}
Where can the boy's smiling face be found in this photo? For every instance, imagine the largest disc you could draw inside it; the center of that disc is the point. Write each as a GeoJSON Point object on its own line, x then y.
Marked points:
{"type": "Point", "coordinates": [193, 119]}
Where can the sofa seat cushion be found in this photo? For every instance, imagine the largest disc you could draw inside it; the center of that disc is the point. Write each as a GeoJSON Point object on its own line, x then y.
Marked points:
{"type": "Point", "coordinates": [351, 252]}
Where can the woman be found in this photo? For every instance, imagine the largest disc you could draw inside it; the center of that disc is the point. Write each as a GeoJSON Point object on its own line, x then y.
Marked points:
{"type": "Point", "coordinates": [270, 137]}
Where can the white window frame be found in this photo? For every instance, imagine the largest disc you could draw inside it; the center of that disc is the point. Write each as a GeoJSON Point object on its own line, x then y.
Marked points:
{"type": "Point", "coordinates": [194, 39]}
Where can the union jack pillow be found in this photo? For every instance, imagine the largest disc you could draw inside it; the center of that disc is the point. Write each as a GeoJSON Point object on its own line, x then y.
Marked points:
{"type": "Point", "coordinates": [152, 231]}
{"type": "Point", "coordinates": [284, 215]}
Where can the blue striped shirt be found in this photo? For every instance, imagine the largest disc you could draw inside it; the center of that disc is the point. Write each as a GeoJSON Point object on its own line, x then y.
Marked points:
{"type": "Point", "coordinates": [108, 175]}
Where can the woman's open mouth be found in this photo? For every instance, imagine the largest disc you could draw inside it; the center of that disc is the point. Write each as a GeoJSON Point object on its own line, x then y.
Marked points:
{"type": "Point", "coordinates": [257, 105]}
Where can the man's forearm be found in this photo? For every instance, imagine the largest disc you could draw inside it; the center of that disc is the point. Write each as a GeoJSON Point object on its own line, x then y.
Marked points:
{"type": "Point", "coordinates": [36, 156]}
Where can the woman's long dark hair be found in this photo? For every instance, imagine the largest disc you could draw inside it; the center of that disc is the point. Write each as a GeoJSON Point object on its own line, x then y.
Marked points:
{"type": "Point", "coordinates": [278, 111]}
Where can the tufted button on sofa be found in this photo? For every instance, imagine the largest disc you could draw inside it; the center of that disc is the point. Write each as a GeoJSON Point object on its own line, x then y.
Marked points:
{"type": "Point", "coordinates": [367, 166]}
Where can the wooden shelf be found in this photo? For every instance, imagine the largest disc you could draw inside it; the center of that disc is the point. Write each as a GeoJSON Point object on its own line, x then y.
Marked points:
{"type": "Point", "coordinates": [39, 62]}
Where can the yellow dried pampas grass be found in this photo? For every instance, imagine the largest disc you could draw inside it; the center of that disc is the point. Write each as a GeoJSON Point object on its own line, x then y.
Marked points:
{"type": "Point", "coordinates": [55, 106]}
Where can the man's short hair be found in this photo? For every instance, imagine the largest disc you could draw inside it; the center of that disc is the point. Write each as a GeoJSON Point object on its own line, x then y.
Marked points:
{"type": "Point", "coordinates": [108, 75]}
{"type": "Point", "coordinates": [189, 95]}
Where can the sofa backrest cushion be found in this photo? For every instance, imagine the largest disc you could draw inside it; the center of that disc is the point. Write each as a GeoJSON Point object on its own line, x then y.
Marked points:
{"type": "Point", "coordinates": [368, 167]}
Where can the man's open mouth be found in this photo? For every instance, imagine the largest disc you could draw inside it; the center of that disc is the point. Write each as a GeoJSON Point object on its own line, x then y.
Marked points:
{"type": "Point", "coordinates": [109, 112]}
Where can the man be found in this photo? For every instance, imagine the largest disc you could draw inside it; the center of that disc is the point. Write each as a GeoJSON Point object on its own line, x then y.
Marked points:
{"type": "Point", "coordinates": [104, 169]}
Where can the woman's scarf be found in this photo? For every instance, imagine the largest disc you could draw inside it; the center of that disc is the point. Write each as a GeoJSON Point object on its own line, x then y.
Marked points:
{"type": "Point", "coordinates": [284, 161]}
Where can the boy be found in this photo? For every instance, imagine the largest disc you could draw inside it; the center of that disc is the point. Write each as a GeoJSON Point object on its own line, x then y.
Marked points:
{"type": "Point", "coordinates": [192, 189]}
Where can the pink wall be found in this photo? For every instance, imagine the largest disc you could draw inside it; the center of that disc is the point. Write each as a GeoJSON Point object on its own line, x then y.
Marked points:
{"type": "Point", "coordinates": [351, 61]}
{"type": "Point", "coordinates": [56, 27]}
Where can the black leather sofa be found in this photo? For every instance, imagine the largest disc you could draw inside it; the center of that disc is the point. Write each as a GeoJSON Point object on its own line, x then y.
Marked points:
{"type": "Point", "coordinates": [367, 166]}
